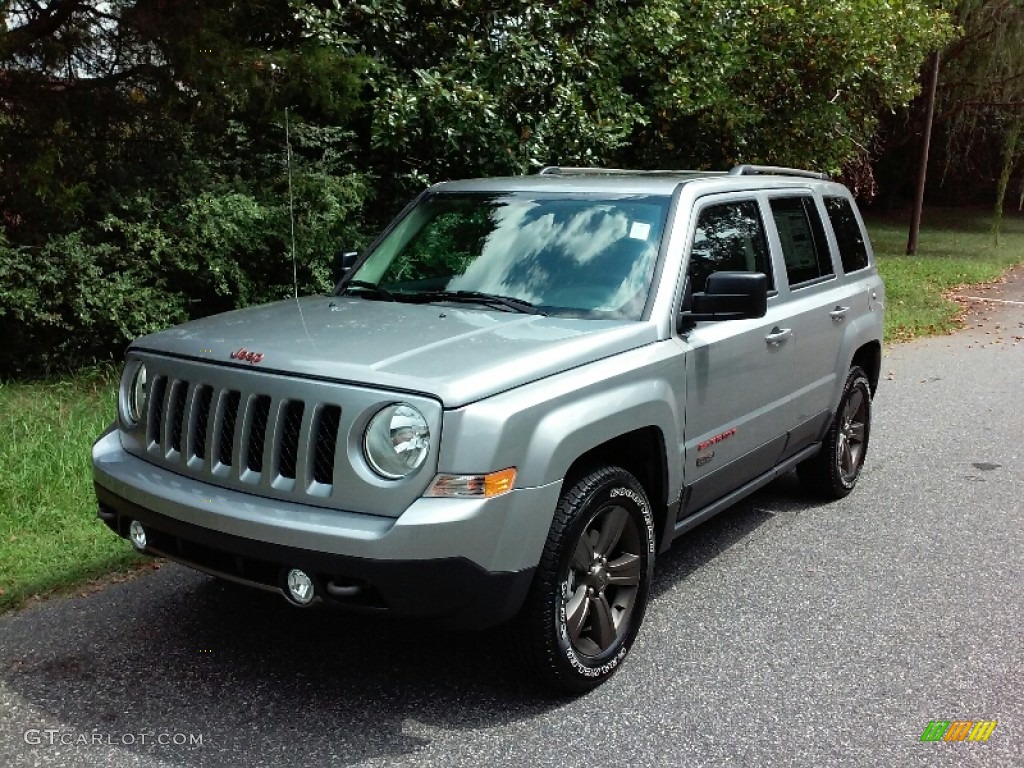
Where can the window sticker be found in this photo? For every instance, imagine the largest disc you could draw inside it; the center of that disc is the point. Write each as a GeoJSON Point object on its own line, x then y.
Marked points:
{"type": "Point", "coordinates": [640, 230]}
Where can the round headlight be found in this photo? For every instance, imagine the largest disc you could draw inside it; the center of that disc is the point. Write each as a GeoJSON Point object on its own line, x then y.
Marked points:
{"type": "Point", "coordinates": [136, 394]}
{"type": "Point", "coordinates": [397, 441]}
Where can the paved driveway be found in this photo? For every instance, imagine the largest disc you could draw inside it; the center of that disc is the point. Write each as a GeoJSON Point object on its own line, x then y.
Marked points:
{"type": "Point", "coordinates": [780, 633]}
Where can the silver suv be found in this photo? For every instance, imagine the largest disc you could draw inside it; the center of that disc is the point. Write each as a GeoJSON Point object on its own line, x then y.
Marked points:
{"type": "Point", "coordinates": [515, 398]}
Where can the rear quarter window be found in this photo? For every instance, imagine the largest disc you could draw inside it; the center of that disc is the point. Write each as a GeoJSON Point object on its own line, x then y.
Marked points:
{"type": "Point", "coordinates": [802, 236]}
{"type": "Point", "coordinates": [850, 238]}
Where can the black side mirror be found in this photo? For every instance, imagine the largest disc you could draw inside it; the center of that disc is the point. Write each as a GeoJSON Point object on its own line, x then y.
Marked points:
{"type": "Point", "coordinates": [728, 296]}
{"type": "Point", "coordinates": [343, 262]}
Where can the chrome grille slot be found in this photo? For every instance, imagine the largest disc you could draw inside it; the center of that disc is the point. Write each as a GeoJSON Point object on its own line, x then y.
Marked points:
{"type": "Point", "coordinates": [291, 425]}
{"type": "Point", "coordinates": [179, 393]}
{"type": "Point", "coordinates": [204, 397]}
{"type": "Point", "coordinates": [157, 392]}
{"type": "Point", "coordinates": [326, 442]}
{"type": "Point", "coordinates": [259, 411]}
{"type": "Point", "coordinates": [227, 427]}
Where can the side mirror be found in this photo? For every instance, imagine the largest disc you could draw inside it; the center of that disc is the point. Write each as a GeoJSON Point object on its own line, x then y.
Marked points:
{"type": "Point", "coordinates": [343, 262]}
{"type": "Point", "coordinates": [728, 296]}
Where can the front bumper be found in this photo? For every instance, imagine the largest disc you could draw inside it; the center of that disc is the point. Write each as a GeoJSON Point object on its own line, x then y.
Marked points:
{"type": "Point", "coordinates": [468, 562]}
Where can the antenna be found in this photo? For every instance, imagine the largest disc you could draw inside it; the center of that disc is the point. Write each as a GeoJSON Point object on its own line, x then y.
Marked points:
{"type": "Point", "coordinates": [291, 219]}
{"type": "Point", "coordinates": [291, 204]}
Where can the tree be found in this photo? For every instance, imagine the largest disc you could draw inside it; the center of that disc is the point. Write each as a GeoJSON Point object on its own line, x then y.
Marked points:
{"type": "Point", "coordinates": [142, 175]}
{"type": "Point", "coordinates": [793, 82]}
{"type": "Point", "coordinates": [982, 91]}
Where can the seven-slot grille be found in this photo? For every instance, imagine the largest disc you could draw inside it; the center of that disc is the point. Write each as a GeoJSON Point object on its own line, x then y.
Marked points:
{"type": "Point", "coordinates": [219, 432]}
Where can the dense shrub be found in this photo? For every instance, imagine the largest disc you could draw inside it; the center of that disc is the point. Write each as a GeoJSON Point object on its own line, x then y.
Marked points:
{"type": "Point", "coordinates": [83, 296]}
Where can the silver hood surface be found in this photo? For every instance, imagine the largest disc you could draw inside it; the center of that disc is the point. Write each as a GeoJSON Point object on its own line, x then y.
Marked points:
{"type": "Point", "coordinates": [456, 353]}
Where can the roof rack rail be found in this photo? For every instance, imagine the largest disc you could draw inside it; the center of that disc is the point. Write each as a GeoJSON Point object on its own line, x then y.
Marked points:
{"type": "Point", "coordinates": [778, 170]}
{"type": "Point", "coordinates": [567, 170]}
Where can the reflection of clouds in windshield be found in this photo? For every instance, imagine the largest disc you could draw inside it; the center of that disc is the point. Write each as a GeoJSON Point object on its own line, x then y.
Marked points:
{"type": "Point", "coordinates": [526, 251]}
{"type": "Point", "coordinates": [635, 282]}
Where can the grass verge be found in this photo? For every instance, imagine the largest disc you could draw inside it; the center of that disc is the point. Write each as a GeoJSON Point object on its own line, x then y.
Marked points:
{"type": "Point", "coordinates": [50, 539]}
{"type": "Point", "coordinates": [956, 248]}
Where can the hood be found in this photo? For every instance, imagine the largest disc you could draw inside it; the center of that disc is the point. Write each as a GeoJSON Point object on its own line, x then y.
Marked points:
{"type": "Point", "coordinates": [452, 352]}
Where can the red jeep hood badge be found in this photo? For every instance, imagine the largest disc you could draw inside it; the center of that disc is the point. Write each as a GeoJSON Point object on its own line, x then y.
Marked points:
{"type": "Point", "coordinates": [245, 354]}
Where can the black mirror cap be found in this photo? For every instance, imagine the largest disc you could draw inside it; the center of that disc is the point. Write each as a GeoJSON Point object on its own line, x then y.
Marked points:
{"type": "Point", "coordinates": [729, 296]}
{"type": "Point", "coordinates": [343, 262]}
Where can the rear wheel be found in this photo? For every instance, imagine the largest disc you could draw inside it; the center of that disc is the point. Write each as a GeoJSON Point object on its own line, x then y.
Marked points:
{"type": "Point", "coordinates": [833, 472]}
{"type": "Point", "coordinates": [590, 592]}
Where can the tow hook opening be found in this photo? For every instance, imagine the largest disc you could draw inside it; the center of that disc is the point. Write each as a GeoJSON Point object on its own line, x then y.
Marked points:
{"type": "Point", "coordinates": [343, 590]}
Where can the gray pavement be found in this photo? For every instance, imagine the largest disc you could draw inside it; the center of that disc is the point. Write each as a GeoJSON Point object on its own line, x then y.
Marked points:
{"type": "Point", "coordinates": [783, 632]}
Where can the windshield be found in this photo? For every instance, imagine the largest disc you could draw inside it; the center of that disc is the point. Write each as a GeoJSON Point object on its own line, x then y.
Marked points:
{"type": "Point", "coordinates": [582, 255]}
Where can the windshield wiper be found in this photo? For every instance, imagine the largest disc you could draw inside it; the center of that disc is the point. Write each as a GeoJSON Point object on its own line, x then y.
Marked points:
{"type": "Point", "coordinates": [381, 291]}
{"type": "Point", "coordinates": [478, 297]}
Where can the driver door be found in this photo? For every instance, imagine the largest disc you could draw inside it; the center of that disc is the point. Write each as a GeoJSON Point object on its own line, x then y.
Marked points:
{"type": "Point", "coordinates": [735, 396]}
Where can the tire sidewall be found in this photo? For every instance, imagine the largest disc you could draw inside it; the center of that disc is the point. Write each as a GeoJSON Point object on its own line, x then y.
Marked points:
{"type": "Point", "coordinates": [621, 489]}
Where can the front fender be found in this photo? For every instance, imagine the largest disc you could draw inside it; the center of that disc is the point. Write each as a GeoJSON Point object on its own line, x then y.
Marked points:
{"type": "Point", "coordinates": [543, 427]}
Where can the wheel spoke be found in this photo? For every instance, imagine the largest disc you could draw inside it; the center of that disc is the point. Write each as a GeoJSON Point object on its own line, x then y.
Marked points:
{"type": "Point", "coordinates": [576, 612]}
{"type": "Point", "coordinates": [602, 621]}
{"type": "Point", "coordinates": [847, 458]}
{"type": "Point", "coordinates": [612, 526]}
{"type": "Point", "coordinates": [624, 571]}
{"type": "Point", "coordinates": [857, 432]}
{"type": "Point", "coordinates": [856, 451]}
{"type": "Point", "coordinates": [583, 556]}
{"type": "Point", "coordinates": [854, 404]}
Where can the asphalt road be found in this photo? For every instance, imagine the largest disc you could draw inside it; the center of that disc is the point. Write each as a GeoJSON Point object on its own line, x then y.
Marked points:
{"type": "Point", "coordinates": [782, 633]}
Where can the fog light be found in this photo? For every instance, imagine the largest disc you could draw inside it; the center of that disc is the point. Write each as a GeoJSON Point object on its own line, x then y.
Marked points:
{"type": "Point", "coordinates": [300, 587]}
{"type": "Point", "coordinates": [137, 534]}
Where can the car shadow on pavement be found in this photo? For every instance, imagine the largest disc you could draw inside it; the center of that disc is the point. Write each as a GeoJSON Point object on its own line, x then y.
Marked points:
{"type": "Point", "coordinates": [176, 652]}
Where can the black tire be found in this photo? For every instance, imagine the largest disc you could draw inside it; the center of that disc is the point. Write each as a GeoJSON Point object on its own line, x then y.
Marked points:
{"type": "Point", "coordinates": [833, 472]}
{"type": "Point", "coordinates": [588, 597]}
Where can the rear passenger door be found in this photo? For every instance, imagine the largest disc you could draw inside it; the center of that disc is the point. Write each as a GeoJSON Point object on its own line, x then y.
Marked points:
{"type": "Point", "coordinates": [818, 303]}
{"type": "Point", "coordinates": [736, 397]}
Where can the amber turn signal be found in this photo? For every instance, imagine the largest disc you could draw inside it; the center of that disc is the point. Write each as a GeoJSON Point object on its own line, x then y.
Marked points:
{"type": "Point", "coordinates": [473, 486]}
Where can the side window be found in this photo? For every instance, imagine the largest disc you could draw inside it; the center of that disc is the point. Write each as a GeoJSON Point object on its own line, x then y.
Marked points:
{"type": "Point", "coordinates": [729, 238]}
{"type": "Point", "coordinates": [852, 247]}
{"type": "Point", "coordinates": [804, 246]}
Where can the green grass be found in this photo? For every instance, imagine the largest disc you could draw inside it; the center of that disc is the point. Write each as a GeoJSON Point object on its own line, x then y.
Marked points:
{"type": "Point", "coordinates": [50, 537]}
{"type": "Point", "coordinates": [51, 540]}
{"type": "Point", "coordinates": [956, 248]}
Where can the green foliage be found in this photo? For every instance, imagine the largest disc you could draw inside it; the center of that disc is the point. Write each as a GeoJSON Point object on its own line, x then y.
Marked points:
{"type": "Point", "coordinates": [793, 82]}
{"type": "Point", "coordinates": [85, 295]}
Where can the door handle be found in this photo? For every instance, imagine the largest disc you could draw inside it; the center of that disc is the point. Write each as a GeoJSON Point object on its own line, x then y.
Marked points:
{"type": "Point", "coordinates": [839, 313]}
{"type": "Point", "coordinates": [778, 335]}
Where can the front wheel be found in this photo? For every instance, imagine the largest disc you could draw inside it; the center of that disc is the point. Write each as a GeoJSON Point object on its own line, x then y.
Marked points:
{"type": "Point", "coordinates": [833, 472]}
{"type": "Point", "coordinates": [588, 598]}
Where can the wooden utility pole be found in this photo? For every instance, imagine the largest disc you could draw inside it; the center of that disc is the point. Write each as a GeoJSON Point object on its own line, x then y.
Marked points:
{"type": "Point", "coordinates": [922, 171]}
